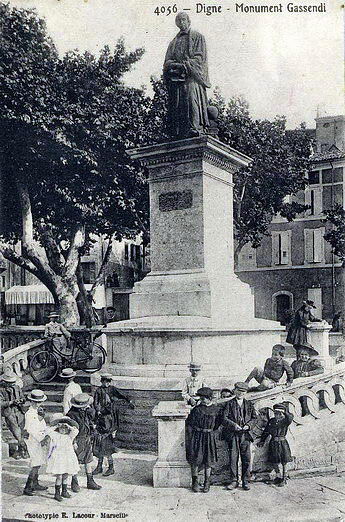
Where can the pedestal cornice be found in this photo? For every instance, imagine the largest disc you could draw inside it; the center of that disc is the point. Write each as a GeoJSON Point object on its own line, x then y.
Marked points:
{"type": "Point", "coordinates": [206, 148]}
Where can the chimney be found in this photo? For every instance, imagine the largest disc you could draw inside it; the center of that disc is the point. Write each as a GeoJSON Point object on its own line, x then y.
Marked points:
{"type": "Point", "coordinates": [330, 131]}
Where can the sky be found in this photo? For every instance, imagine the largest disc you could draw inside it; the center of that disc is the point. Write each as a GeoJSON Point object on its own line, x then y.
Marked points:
{"type": "Point", "coordinates": [285, 63]}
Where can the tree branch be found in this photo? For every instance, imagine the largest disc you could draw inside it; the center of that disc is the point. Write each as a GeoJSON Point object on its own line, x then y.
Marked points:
{"type": "Point", "coordinates": [105, 260]}
{"type": "Point", "coordinates": [53, 253]}
{"type": "Point", "coordinates": [18, 260]}
{"type": "Point", "coordinates": [73, 255]}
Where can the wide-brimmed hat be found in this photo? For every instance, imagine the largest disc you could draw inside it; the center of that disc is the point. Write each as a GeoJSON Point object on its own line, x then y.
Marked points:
{"type": "Point", "coordinates": [243, 386]}
{"type": "Point", "coordinates": [37, 396]}
{"type": "Point", "coordinates": [54, 314]}
{"type": "Point", "coordinates": [106, 376]}
{"type": "Point", "coordinates": [59, 418]}
{"type": "Point", "coordinates": [81, 400]}
{"type": "Point", "coordinates": [68, 372]}
{"type": "Point", "coordinates": [306, 346]}
{"type": "Point", "coordinates": [194, 366]}
{"type": "Point", "coordinates": [9, 378]}
{"type": "Point", "coordinates": [279, 407]}
{"type": "Point", "coordinates": [309, 303]}
{"type": "Point", "coordinates": [205, 392]}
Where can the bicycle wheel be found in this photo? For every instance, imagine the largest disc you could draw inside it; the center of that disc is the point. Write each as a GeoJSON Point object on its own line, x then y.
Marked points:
{"type": "Point", "coordinates": [44, 366]}
{"type": "Point", "coordinates": [91, 358]}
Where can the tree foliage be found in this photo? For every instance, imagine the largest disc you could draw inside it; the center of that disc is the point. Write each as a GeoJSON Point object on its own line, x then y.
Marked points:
{"type": "Point", "coordinates": [65, 125]}
{"type": "Point", "coordinates": [336, 235]}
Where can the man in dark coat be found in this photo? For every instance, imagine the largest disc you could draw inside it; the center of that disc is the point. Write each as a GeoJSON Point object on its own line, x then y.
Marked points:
{"type": "Point", "coordinates": [186, 75]}
{"type": "Point", "coordinates": [237, 415]}
{"type": "Point", "coordinates": [12, 402]}
{"type": "Point", "coordinates": [298, 329]}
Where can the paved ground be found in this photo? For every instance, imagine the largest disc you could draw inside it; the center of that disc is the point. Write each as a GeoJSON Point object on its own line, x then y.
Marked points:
{"type": "Point", "coordinates": [129, 496]}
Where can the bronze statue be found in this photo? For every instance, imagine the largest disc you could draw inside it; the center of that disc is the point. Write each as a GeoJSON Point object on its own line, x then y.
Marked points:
{"type": "Point", "coordinates": [186, 76]}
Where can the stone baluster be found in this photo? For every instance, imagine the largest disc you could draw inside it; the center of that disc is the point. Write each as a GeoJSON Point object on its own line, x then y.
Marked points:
{"type": "Point", "coordinates": [319, 337]}
{"type": "Point", "coordinates": [171, 468]}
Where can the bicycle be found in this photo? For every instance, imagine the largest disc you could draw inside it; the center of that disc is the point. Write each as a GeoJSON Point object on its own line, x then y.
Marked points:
{"type": "Point", "coordinates": [88, 357]}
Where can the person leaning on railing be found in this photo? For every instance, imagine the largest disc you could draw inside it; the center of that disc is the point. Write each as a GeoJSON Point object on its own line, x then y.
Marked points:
{"type": "Point", "coordinates": [57, 332]}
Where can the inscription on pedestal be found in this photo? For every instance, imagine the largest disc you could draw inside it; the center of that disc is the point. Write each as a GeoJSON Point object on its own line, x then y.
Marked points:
{"type": "Point", "coordinates": [175, 200]}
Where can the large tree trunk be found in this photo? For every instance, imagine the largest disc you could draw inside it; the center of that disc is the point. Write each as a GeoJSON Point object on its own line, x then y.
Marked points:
{"type": "Point", "coordinates": [67, 305]}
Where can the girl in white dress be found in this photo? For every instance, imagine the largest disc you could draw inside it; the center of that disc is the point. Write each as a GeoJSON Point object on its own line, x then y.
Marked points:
{"type": "Point", "coordinates": [62, 460]}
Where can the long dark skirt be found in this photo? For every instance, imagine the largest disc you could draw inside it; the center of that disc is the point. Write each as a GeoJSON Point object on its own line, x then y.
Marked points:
{"type": "Point", "coordinates": [201, 449]}
{"type": "Point", "coordinates": [279, 452]}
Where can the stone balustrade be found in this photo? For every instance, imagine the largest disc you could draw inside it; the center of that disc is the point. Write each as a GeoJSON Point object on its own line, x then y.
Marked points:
{"type": "Point", "coordinates": [11, 337]}
{"type": "Point", "coordinates": [316, 437]}
{"type": "Point", "coordinates": [17, 359]}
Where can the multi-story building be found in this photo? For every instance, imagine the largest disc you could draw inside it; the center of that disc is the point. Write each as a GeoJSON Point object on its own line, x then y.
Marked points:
{"type": "Point", "coordinates": [24, 300]}
{"type": "Point", "coordinates": [295, 262]}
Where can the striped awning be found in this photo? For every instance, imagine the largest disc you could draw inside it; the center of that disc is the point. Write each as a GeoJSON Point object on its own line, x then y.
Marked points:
{"type": "Point", "coordinates": [29, 294]}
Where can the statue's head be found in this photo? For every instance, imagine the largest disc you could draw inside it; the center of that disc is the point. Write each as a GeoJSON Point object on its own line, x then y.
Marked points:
{"type": "Point", "coordinates": [182, 21]}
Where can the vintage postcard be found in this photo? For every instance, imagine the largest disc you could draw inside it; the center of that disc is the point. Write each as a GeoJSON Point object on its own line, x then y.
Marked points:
{"type": "Point", "coordinates": [172, 260]}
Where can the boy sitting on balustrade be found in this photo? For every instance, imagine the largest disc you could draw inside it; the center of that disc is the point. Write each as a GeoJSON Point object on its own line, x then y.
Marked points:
{"type": "Point", "coordinates": [273, 371]}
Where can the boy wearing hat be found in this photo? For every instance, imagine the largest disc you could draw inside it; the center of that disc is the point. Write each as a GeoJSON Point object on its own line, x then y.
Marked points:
{"type": "Point", "coordinates": [192, 384]}
{"type": "Point", "coordinates": [106, 399]}
{"type": "Point", "coordinates": [278, 449]}
{"type": "Point", "coordinates": [273, 371]}
{"type": "Point", "coordinates": [12, 402]}
{"type": "Point", "coordinates": [84, 415]}
{"type": "Point", "coordinates": [57, 332]}
{"type": "Point", "coordinates": [237, 416]}
{"type": "Point", "coordinates": [304, 366]}
{"type": "Point", "coordinates": [201, 450]}
{"type": "Point", "coordinates": [35, 426]}
{"type": "Point", "coordinates": [298, 329]}
{"type": "Point", "coordinates": [71, 390]}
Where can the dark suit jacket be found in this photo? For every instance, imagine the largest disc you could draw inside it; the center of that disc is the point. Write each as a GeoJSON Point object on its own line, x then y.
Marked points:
{"type": "Point", "coordinates": [232, 416]}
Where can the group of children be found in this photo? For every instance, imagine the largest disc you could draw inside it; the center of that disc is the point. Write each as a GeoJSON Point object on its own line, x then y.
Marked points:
{"type": "Point", "coordinates": [236, 415]}
{"type": "Point", "coordinates": [87, 428]}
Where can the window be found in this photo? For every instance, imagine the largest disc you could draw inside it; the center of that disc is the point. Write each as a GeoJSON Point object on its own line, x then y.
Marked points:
{"type": "Point", "coordinates": [22, 276]}
{"type": "Point", "coordinates": [247, 257]}
{"type": "Point", "coordinates": [89, 272]}
{"type": "Point", "coordinates": [281, 247]}
{"type": "Point", "coordinates": [314, 177]}
{"type": "Point", "coordinates": [337, 175]}
{"type": "Point", "coordinates": [126, 251]}
{"type": "Point", "coordinates": [314, 245]}
{"type": "Point", "coordinates": [313, 198]}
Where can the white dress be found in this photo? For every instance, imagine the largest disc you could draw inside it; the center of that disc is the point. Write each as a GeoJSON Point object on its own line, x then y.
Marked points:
{"type": "Point", "coordinates": [61, 455]}
{"type": "Point", "coordinates": [36, 429]}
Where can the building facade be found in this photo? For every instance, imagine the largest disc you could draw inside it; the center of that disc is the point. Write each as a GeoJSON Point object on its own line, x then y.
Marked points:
{"type": "Point", "coordinates": [295, 262]}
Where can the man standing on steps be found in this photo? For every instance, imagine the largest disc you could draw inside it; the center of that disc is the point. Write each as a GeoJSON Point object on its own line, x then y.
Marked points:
{"type": "Point", "coordinates": [192, 384]}
{"type": "Point", "coordinates": [12, 402]}
{"type": "Point", "coordinates": [71, 390]}
{"type": "Point", "coordinates": [82, 412]}
{"type": "Point", "coordinates": [237, 416]}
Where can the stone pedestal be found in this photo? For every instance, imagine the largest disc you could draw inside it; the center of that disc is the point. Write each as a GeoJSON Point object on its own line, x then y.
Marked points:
{"type": "Point", "coordinates": [171, 468]}
{"type": "Point", "coordinates": [319, 338]}
{"type": "Point", "coordinates": [191, 224]}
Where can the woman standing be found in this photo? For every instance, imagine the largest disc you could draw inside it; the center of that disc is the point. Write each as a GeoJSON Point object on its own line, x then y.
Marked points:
{"type": "Point", "coordinates": [298, 330]}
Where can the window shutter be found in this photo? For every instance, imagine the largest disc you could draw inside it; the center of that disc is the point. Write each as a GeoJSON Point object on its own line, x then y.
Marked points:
{"type": "Point", "coordinates": [308, 245]}
{"type": "Point", "coordinates": [285, 247]}
{"type": "Point", "coordinates": [318, 201]}
{"type": "Point", "coordinates": [319, 245]}
{"type": "Point", "coordinates": [308, 200]}
{"type": "Point", "coordinates": [275, 248]}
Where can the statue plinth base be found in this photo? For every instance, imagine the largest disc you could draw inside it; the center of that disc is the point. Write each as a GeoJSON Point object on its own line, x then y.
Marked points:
{"type": "Point", "coordinates": [191, 205]}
